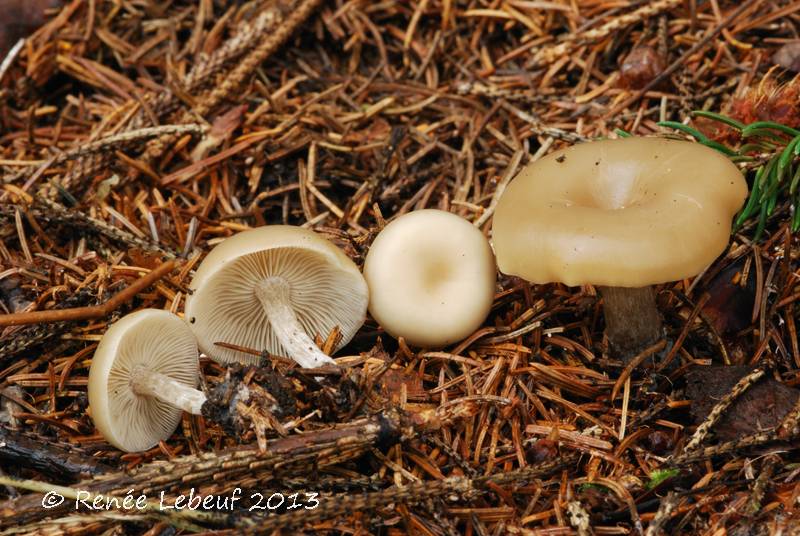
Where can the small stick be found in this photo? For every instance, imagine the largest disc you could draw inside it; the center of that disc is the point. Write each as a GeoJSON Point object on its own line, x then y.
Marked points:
{"type": "Point", "coordinates": [93, 311]}
{"type": "Point", "coordinates": [663, 514]}
{"type": "Point", "coordinates": [47, 458]}
{"type": "Point", "coordinates": [103, 144]}
{"type": "Point", "coordinates": [736, 445]}
{"type": "Point", "coordinates": [786, 431]}
{"type": "Point", "coordinates": [54, 213]}
{"type": "Point", "coordinates": [182, 518]}
{"type": "Point", "coordinates": [462, 488]}
{"type": "Point", "coordinates": [759, 487]}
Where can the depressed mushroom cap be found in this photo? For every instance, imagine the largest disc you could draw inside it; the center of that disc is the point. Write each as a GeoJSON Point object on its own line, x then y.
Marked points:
{"type": "Point", "coordinates": [628, 213]}
{"type": "Point", "coordinates": [327, 290]}
{"type": "Point", "coordinates": [151, 338]}
{"type": "Point", "coordinates": [431, 276]}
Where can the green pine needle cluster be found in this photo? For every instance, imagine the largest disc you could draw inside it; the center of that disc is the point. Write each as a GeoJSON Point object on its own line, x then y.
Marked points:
{"type": "Point", "coordinates": [771, 150]}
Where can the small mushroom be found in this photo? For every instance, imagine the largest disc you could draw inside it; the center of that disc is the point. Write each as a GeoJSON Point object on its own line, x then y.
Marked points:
{"type": "Point", "coordinates": [431, 276]}
{"type": "Point", "coordinates": [142, 378]}
{"type": "Point", "coordinates": [623, 215]}
{"type": "Point", "coordinates": [273, 288]}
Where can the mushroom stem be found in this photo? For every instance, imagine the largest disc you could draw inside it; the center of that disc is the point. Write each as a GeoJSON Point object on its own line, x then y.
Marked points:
{"type": "Point", "coordinates": [275, 294]}
{"type": "Point", "coordinates": [146, 382]}
{"type": "Point", "coordinates": [632, 319]}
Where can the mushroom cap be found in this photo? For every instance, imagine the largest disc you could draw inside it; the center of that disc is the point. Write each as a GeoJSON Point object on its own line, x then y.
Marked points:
{"type": "Point", "coordinates": [627, 213]}
{"type": "Point", "coordinates": [151, 338]}
{"type": "Point", "coordinates": [431, 276]}
{"type": "Point", "coordinates": [327, 290]}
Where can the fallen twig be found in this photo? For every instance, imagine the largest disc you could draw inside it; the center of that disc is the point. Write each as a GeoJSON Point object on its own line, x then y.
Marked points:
{"type": "Point", "coordinates": [93, 311]}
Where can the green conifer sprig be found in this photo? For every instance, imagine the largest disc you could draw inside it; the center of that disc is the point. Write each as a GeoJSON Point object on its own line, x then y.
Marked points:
{"type": "Point", "coordinates": [771, 155]}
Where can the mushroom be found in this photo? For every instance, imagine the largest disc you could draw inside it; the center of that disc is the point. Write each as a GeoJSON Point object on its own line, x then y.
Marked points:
{"type": "Point", "coordinates": [272, 288]}
{"type": "Point", "coordinates": [142, 378]}
{"type": "Point", "coordinates": [431, 276]}
{"type": "Point", "coordinates": [622, 215]}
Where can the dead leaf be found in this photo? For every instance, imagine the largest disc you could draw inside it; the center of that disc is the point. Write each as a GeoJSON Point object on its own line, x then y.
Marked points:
{"type": "Point", "coordinates": [220, 131]}
{"type": "Point", "coordinates": [759, 408]}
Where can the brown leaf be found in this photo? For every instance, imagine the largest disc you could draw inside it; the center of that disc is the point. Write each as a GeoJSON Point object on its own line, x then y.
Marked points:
{"type": "Point", "coordinates": [143, 259]}
{"type": "Point", "coordinates": [730, 303]}
{"type": "Point", "coordinates": [640, 67]}
{"type": "Point", "coordinates": [220, 131]}
{"type": "Point", "coordinates": [759, 408]}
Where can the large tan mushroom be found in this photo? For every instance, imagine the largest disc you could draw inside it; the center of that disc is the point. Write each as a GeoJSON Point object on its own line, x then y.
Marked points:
{"type": "Point", "coordinates": [623, 215]}
{"type": "Point", "coordinates": [142, 378]}
{"type": "Point", "coordinates": [431, 276]}
{"type": "Point", "coordinates": [273, 288]}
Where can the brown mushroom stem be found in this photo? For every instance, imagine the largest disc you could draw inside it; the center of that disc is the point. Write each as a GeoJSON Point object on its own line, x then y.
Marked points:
{"type": "Point", "coordinates": [146, 382]}
{"type": "Point", "coordinates": [632, 319]}
{"type": "Point", "coordinates": [275, 296]}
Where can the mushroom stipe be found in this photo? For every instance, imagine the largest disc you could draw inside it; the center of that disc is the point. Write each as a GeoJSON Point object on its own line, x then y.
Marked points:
{"type": "Point", "coordinates": [632, 319]}
{"type": "Point", "coordinates": [274, 293]}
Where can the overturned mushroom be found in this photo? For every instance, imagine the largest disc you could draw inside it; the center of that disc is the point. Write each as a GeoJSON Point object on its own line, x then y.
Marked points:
{"type": "Point", "coordinates": [273, 288]}
{"type": "Point", "coordinates": [142, 378]}
{"type": "Point", "coordinates": [623, 215]}
{"type": "Point", "coordinates": [431, 277]}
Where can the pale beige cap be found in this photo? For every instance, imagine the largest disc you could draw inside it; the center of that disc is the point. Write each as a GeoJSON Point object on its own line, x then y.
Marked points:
{"type": "Point", "coordinates": [326, 290]}
{"type": "Point", "coordinates": [431, 276]}
{"type": "Point", "coordinates": [627, 213]}
{"type": "Point", "coordinates": [153, 339]}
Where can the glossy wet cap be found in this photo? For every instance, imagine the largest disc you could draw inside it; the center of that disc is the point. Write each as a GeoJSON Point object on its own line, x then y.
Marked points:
{"type": "Point", "coordinates": [628, 213]}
